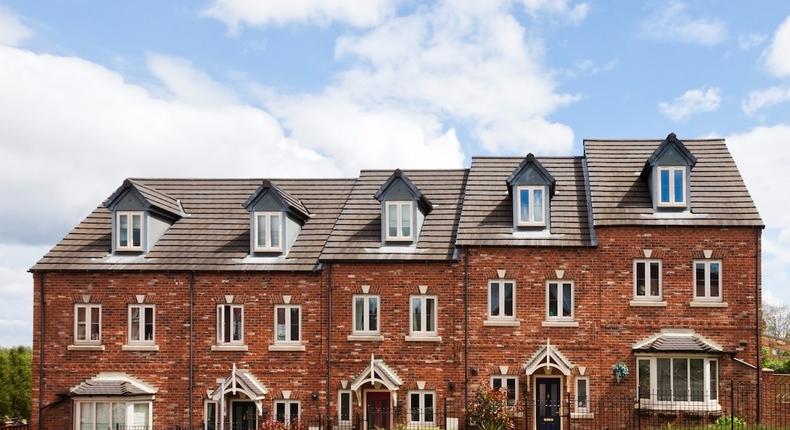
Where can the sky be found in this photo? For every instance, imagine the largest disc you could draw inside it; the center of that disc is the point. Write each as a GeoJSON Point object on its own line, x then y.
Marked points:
{"type": "Point", "coordinates": [92, 92]}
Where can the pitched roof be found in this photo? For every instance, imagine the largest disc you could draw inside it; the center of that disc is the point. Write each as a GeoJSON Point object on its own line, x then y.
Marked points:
{"type": "Point", "coordinates": [150, 196]}
{"type": "Point", "coordinates": [357, 233]}
{"type": "Point", "coordinates": [112, 384]}
{"type": "Point", "coordinates": [530, 160]}
{"type": "Point", "coordinates": [620, 196]}
{"type": "Point", "coordinates": [215, 235]}
{"type": "Point", "coordinates": [398, 174]}
{"type": "Point", "coordinates": [676, 341]}
{"type": "Point", "coordinates": [671, 141]}
{"type": "Point", "coordinates": [292, 203]}
{"type": "Point", "coordinates": [487, 216]}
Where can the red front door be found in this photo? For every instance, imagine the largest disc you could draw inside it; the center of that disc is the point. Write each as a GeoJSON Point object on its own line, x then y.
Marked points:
{"type": "Point", "coordinates": [378, 410]}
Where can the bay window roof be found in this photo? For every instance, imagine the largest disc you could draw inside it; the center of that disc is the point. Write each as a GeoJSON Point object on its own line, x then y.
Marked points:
{"type": "Point", "coordinates": [112, 384]}
{"type": "Point", "coordinates": [677, 341]}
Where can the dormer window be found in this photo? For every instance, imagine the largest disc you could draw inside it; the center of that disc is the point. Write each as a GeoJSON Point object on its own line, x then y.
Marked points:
{"type": "Point", "coordinates": [672, 184]}
{"type": "Point", "coordinates": [531, 205]}
{"type": "Point", "coordinates": [268, 232]}
{"type": "Point", "coordinates": [399, 221]}
{"type": "Point", "coordinates": [129, 230]}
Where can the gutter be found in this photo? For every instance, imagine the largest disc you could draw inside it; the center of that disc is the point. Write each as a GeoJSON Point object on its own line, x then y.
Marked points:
{"type": "Point", "coordinates": [328, 338]}
{"type": "Point", "coordinates": [758, 304]}
{"type": "Point", "coordinates": [191, 336]}
{"type": "Point", "coordinates": [41, 343]}
{"type": "Point", "coordinates": [466, 336]}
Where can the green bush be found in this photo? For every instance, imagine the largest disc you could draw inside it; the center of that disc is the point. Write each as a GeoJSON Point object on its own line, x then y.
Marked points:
{"type": "Point", "coordinates": [489, 411]}
{"type": "Point", "coordinates": [724, 422]}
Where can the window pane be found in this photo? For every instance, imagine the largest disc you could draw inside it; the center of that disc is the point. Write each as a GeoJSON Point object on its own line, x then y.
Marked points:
{"type": "Point", "coordinates": [655, 272]}
{"type": "Point", "coordinates": [102, 416]}
{"type": "Point", "coordinates": [552, 300]}
{"type": "Point", "coordinates": [538, 205]}
{"type": "Point", "coordinates": [697, 370]}
{"type": "Point", "coordinates": [260, 239]}
{"type": "Point", "coordinates": [136, 230]}
{"type": "Point", "coordinates": [644, 379]}
{"type": "Point", "coordinates": [494, 299]}
{"type": "Point", "coordinates": [237, 320]}
{"type": "Point", "coordinates": [359, 313]}
{"type": "Point", "coordinates": [275, 230]}
{"type": "Point", "coordinates": [86, 416]}
{"type": "Point", "coordinates": [566, 300]}
{"type": "Point", "coordinates": [392, 220]}
{"type": "Point", "coordinates": [699, 272]}
{"type": "Point", "coordinates": [679, 187]}
{"type": "Point", "coordinates": [293, 411]}
{"type": "Point", "coordinates": [414, 406]}
{"type": "Point", "coordinates": [511, 391]}
{"type": "Point", "coordinates": [714, 279]}
{"type": "Point", "coordinates": [640, 279]}
{"type": "Point", "coordinates": [95, 318]}
{"type": "Point", "coordinates": [664, 186]}
{"type": "Point", "coordinates": [280, 324]}
{"type": "Point", "coordinates": [280, 411]}
{"type": "Point", "coordinates": [714, 380]}
{"type": "Point", "coordinates": [227, 324]}
{"type": "Point", "coordinates": [428, 405]}
{"type": "Point", "coordinates": [581, 393]}
{"type": "Point", "coordinates": [405, 210]}
{"type": "Point", "coordinates": [123, 230]}
{"type": "Point", "coordinates": [81, 323]}
{"type": "Point", "coordinates": [135, 323]}
{"type": "Point", "coordinates": [430, 315]}
{"type": "Point", "coordinates": [118, 414]}
{"type": "Point", "coordinates": [680, 379]}
{"type": "Point", "coordinates": [508, 299]}
{"type": "Point", "coordinates": [373, 311]}
{"type": "Point", "coordinates": [149, 324]}
{"type": "Point", "coordinates": [140, 414]}
{"type": "Point", "coordinates": [416, 309]}
{"type": "Point", "coordinates": [524, 208]}
{"type": "Point", "coordinates": [345, 406]}
{"type": "Point", "coordinates": [664, 374]}
{"type": "Point", "coordinates": [497, 383]}
{"type": "Point", "coordinates": [295, 324]}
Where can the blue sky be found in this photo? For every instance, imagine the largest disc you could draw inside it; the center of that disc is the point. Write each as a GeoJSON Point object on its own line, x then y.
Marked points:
{"type": "Point", "coordinates": [97, 91]}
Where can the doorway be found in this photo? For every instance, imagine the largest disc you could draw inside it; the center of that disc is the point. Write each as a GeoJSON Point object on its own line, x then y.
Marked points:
{"type": "Point", "coordinates": [377, 410]}
{"type": "Point", "coordinates": [548, 401]}
{"type": "Point", "coordinates": [243, 416]}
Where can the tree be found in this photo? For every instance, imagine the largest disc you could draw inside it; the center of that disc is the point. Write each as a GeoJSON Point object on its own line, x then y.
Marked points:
{"type": "Point", "coordinates": [776, 320]}
{"type": "Point", "coordinates": [15, 382]}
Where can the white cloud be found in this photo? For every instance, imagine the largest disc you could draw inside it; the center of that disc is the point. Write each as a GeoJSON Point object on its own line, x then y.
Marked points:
{"type": "Point", "coordinates": [16, 291]}
{"type": "Point", "coordinates": [573, 13]}
{"type": "Point", "coordinates": [12, 30]}
{"type": "Point", "coordinates": [761, 99]}
{"type": "Point", "coordinates": [187, 83]}
{"type": "Point", "coordinates": [259, 13]}
{"type": "Point", "coordinates": [672, 23]}
{"type": "Point", "coordinates": [691, 102]}
{"type": "Point", "coordinates": [765, 176]}
{"type": "Point", "coordinates": [751, 40]}
{"type": "Point", "coordinates": [777, 56]}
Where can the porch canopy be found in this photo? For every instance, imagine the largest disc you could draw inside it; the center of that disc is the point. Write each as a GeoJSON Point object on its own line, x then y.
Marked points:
{"type": "Point", "coordinates": [112, 384]}
{"type": "Point", "coordinates": [240, 381]}
{"type": "Point", "coordinates": [378, 372]}
{"type": "Point", "coordinates": [548, 356]}
{"type": "Point", "coordinates": [677, 340]}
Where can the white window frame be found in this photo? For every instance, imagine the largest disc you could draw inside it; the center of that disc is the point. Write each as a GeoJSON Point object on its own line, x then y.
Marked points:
{"type": "Point", "coordinates": [560, 300]}
{"type": "Point", "coordinates": [421, 407]}
{"type": "Point", "coordinates": [424, 317]}
{"type": "Point", "coordinates": [287, 415]}
{"type": "Point", "coordinates": [267, 247]}
{"type": "Point", "coordinates": [205, 414]}
{"type": "Point", "coordinates": [129, 242]}
{"type": "Point", "coordinates": [340, 419]}
{"type": "Point", "coordinates": [503, 383]}
{"type": "Point", "coordinates": [88, 323]}
{"type": "Point", "coordinates": [129, 406]}
{"type": "Point", "coordinates": [221, 324]}
{"type": "Point", "coordinates": [501, 316]}
{"type": "Point", "coordinates": [706, 402]}
{"type": "Point", "coordinates": [399, 230]}
{"type": "Point", "coordinates": [648, 297]}
{"type": "Point", "coordinates": [671, 203]}
{"type": "Point", "coordinates": [288, 333]}
{"type": "Point", "coordinates": [366, 317]}
{"type": "Point", "coordinates": [707, 297]}
{"type": "Point", "coordinates": [576, 392]}
{"type": "Point", "coordinates": [531, 221]}
{"type": "Point", "coordinates": [143, 321]}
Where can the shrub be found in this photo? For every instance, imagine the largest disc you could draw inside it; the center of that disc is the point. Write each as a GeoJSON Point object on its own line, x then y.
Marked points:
{"type": "Point", "coordinates": [723, 422]}
{"type": "Point", "coordinates": [489, 411]}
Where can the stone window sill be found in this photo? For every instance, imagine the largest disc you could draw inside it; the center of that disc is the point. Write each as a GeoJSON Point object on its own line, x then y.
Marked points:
{"type": "Point", "coordinates": [230, 348]}
{"type": "Point", "coordinates": [140, 348]}
{"type": "Point", "coordinates": [85, 348]}
{"type": "Point", "coordinates": [293, 347]}
{"type": "Point", "coordinates": [582, 415]}
{"type": "Point", "coordinates": [365, 337]}
{"type": "Point", "coordinates": [560, 323]}
{"type": "Point", "coordinates": [703, 304]}
{"type": "Point", "coordinates": [502, 323]}
{"type": "Point", "coordinates": [423, 338]}
{"type": "Point", "coordinates": [648, 304]}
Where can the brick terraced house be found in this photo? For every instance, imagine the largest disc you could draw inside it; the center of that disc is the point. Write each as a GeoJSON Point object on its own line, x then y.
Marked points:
{"type": "Point", "coordinates": [218, 304]}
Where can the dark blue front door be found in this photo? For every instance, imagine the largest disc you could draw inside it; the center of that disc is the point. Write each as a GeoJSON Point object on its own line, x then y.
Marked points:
{"type": "Point", "coordinates": [547, 403]}
{"type": "Point", "coordinates": [243, 416]}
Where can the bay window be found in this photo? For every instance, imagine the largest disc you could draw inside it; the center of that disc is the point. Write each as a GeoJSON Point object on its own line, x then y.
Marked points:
{"type": "Point", "coordinates": [106, 414]}
{"type": "Point", "coordinates": [678, 380]}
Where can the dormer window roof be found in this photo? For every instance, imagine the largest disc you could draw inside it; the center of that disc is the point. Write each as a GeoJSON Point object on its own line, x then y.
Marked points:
{"type": "Point", "coordinates": [531, 187]}
{"type": "Point", "coordinates": [403, 208]}
{"type": "Point", "coordinates": [288, 202]}
{"type": "Point", "coordinates": [276, 218]}
{"type": "Point", "coordinates": [667, 171]}
{"type": "Point", "coordinates": [152, 199]}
